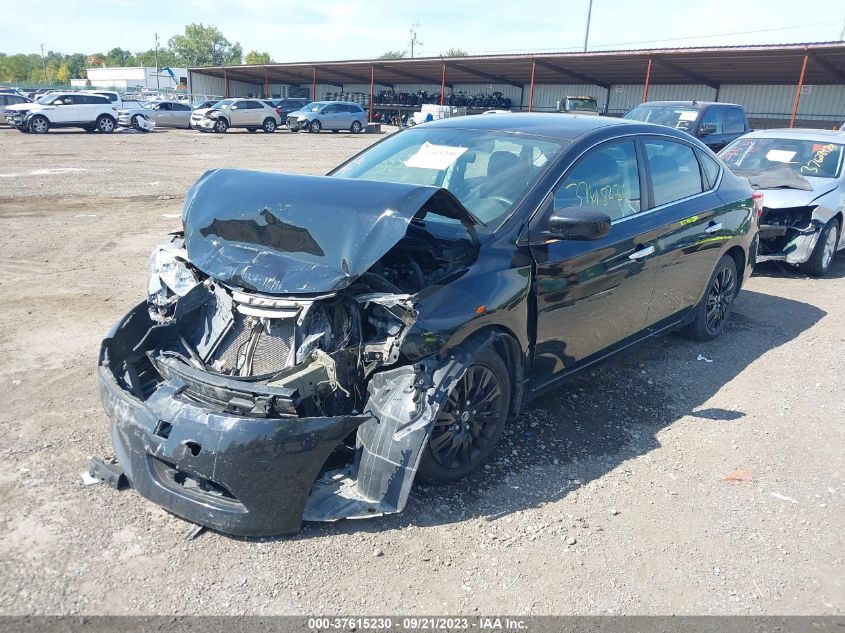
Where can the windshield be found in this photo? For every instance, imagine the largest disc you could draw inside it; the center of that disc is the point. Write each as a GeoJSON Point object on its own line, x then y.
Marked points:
{"type": "Point", "coordinates": [677, 117]}
{"type": "Point", "coordinates": [489, 172]}
{"type": "Point", "coordinates": [314, 106]}
{"type": "Point", "coordinates": [48, 98]}
{"type": "Point", "coordinates": [581, 104]}
{"type": "Point", "coordinates": [223, 104]}
{"type": "Point", "coordinates": [806, 158]}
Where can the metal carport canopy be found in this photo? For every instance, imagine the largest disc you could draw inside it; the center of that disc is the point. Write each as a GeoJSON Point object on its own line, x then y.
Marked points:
{"type": "Point", "coordinates": [767, 64]}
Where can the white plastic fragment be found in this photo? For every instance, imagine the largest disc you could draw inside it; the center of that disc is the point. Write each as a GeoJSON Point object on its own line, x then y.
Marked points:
{"type": "Point", "coordinates": [777, 495]}
{"type": "Point", "coordinates": [706, 360]}
{"type": "Point", "coordinates": [88, 480]}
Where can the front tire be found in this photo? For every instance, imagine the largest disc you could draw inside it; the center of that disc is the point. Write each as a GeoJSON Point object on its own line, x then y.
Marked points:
{"type": "Point", "coordinates": [105, 124]}
{"type": "Point", "coordinates": [221, 125]}
{"type": "Point", "coordinates": [39, 124]}
{"type": "Point", "coordinates": [469, 423]}
{"type": "Point", "coordinates": [314, 127]}
{"type": "Point", "coordinates": [269, 125]}
{"type": "Point", "coordinates": [824, 252]}
{"type": "Point", "coordinates": [356, 127]}
{"type": "Point", "coordinates": [135, 123]}
{"type": "Point", "coordinates": [711, 314]}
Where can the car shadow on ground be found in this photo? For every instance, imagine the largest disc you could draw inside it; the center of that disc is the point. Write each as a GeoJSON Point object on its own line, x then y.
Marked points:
{"type": "Point", "coordinates": [594, 423]}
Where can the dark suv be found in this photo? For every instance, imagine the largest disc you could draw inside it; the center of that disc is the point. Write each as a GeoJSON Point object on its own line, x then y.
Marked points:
{"type": "Point", "coordinates": [716, 124]}
{"type": "Point", "coordinates": [286, 106]}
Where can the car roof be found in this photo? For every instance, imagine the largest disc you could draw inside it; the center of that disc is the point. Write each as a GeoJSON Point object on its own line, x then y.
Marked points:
{"type": "Point", "coordinates": [689, 104]}
{"type": "Point", "coordinates": [800, 134]}
{"type": "Point", "coordinates": [549, 124]}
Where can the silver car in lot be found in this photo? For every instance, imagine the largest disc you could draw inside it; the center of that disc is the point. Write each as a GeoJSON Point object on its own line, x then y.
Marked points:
{"type": "Point", "coordinates": [801, 176]}
{"type": "Point", "coordinates": [164, 113]}
{"type": "Point", "coordinates": [10, 98]}
{"type": "Point", "coordinates": [252, 114]}
{"type": "Point", "coordinates": [328, 115]}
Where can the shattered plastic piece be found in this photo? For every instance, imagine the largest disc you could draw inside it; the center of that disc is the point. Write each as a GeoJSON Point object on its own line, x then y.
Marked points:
{"type": "Point", "coordinates": [740, 474]}
{"type": "Point", "coordinates": [706, 360]}
{"type": "Point", "coordinates": [777, 495]}
{"type": "Point", "coordinates": [195, 532]}
{"type": "Point", "coordinates": [109, 471]}
{"type": "Point", "coordinates": [88, 480]}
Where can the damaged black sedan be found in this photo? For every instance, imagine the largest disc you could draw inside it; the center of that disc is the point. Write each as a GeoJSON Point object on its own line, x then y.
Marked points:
{"type": "Point", "coordinates": [310, 345]}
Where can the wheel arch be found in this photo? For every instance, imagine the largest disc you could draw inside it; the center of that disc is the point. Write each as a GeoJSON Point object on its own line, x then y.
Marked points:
{"type": "Point", "coordinates": [739, 257]}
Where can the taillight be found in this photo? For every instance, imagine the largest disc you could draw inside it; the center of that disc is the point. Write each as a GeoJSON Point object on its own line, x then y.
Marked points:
{"type": "Point", "coordinates": [757, 203]}
{"type": "Point", "coordinates": [279, 112]}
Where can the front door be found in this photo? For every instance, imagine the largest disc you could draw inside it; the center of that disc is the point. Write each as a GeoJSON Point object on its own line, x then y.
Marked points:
{"type": "Point", "coordinates": [593, 294]}
{"type": "Point", "coordinates": [67, 110]}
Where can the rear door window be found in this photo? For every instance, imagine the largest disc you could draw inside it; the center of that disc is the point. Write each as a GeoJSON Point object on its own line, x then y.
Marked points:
{"type": "Point", "coordinates": [675, 173]}
{"type": "Point", "coordinates": [607, 180]}
{"type": "Point", "coordinates": [710, 168]}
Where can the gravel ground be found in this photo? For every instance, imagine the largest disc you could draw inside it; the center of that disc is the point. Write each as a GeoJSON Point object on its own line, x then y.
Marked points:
{"type": "Point", "coordinates": [607, 496]}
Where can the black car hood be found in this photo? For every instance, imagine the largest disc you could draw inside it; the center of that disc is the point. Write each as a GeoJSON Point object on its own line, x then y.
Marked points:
{"type": "Point", "coordinates": [288, 234]}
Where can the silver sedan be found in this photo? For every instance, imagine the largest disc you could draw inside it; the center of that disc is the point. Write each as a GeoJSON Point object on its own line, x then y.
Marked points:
{"type": "Point", "coordinates": [801, 177]}
{"type": "Point", "coordinates": [164, 113]}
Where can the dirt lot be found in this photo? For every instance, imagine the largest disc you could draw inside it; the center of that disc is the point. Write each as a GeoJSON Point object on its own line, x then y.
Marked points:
{"type": "Point", "coordinates": [606, 496]}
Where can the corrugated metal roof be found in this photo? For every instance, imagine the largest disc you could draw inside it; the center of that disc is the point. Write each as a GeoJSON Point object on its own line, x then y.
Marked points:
{"type": "Point", "coordinates": [713, 66]}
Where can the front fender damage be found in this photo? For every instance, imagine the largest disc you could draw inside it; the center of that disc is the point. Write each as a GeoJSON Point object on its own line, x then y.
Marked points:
{"type": "Point", "coordinates": [403, 402]}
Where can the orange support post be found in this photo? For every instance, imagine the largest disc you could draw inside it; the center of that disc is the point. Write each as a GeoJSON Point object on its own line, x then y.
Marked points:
{"type": "Point", "coordinates": [314, 84]}
{"type": "Point", "coordinates": [225, 85]}
{"type": "Point", "coordinates": [531, 89]}
{"type": "Point", "coordinates": [443, 85]}
{"type": "Point", "coordinates": [647, 78]}
{"type": "Point", "coordinates": [798, 88]}
{"type": "Point", "coordinates": [372, 90]}
{"type": "Point", "coordinates": [266, 85]}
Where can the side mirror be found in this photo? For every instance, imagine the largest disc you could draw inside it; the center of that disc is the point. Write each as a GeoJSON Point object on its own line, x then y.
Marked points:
{"type": "Point", "coordinates": [706, 129]}
{"type": "Point", "coordinates": [578, 224]}
{"type": "Point", "coordinates": [233, 108]}
{"type": "Point", "coordinates": [58, 102]}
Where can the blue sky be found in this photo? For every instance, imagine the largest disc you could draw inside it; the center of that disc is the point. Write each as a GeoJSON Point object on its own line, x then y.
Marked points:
{"type": "Point", "coordinates": [328, 29]}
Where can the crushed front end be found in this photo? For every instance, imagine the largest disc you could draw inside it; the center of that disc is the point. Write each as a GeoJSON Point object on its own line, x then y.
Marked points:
{"type": "Point", "coordinates": [788, 234]}
{"type": "Point", "coordinates": [264, 380]}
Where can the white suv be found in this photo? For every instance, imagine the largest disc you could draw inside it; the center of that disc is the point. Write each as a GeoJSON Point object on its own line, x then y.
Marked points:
{"type": "Point", "coordinates": [64, 109]}
{"type": "Point", "coordinates": [251, 114]}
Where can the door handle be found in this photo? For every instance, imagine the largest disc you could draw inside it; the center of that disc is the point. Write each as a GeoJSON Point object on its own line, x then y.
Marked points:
{"type": "Point", "coordinates": [714, 228]}
{"type": "Point", "coordinates": [641, 253]}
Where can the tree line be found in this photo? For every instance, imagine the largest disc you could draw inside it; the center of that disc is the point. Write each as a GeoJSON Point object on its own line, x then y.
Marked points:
{"type": "Point", "coordinates": [199, 45]}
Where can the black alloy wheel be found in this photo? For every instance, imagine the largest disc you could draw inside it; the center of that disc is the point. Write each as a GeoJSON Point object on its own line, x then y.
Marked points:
{"type": "Point", "coordinates": [720, 296]}
{"type": "Point", "coordinates": [469, 423]}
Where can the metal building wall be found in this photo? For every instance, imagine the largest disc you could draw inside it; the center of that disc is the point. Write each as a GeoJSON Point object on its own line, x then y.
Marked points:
{"type": "Point", "coordinates": [243, 89]}
{"type": "Point", "coordinates": [200, 84]}
{"type": "Point", "coordinates": [625, 97]}
{"type": "Point", "coordinates": [775, 102]}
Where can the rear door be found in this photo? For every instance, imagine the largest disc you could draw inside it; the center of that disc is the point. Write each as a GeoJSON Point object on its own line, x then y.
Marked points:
{"type": "Point", "coordinates": [690, 231]}
{"type": "Point", "coordinates": [592, 295]}
{"type": "Point", "coordinates": [180, 115]}
{"type": "Point", "coordinates": [254, 113]}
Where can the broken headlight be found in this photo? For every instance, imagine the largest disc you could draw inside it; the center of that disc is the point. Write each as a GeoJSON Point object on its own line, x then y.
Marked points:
{"type": "Point", "coordinates": [169, 278]}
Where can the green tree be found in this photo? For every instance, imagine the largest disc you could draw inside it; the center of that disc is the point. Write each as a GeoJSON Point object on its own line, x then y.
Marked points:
{"type": "Point", "coordinates": [63, 74]}
{"type": "Point", "coordinates": [392, 55]}
{"type": "Point", "coordinates": [455, 52]}
{"type": "Point", "coordinates": [76, 65]}
{"type": "Point", "coordinates": [119, 57]}
{"type": "Point", "coordinates": [166, 57]}
{"type": "Point", "coordinates": [255, 58]}
{"type": "Point", "coordinates": [205, 46]}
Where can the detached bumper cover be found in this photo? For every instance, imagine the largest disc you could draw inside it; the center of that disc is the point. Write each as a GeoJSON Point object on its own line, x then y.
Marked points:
{"type": "Point", "coordinates": [238, 475]}
{"type": "Point", "coordinates": [799, 245]}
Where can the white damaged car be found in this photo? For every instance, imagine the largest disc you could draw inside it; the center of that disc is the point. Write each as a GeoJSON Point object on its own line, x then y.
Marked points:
{"type": "Point", "coordinates": [801, 175]}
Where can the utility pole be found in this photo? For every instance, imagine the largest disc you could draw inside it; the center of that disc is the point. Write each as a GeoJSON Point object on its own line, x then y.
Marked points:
{"type": "Point", "coordinates": [44, 64]}
{"type": "Point", "coordinates": [587, 33]}
{"type": "Point", "coordinates": [842, 34]}
{"type": "Point", "coordinates": [157, 84]}
{"type": "Point", "coordinates": [414, 39]}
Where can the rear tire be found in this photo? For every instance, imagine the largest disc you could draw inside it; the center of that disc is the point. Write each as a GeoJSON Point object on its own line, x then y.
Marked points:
{"type": "Point", "coordinates": [39, 124]}
{"type": "Point", "coordinates": [269, 125]}
{"type": "Point", "coordinates": [105, 124]}
{"type": "Point", "coordinates": [314, 127]}
{"type": "Point", "coordinates": [711, 313]}
{"type": "Point", "coordinates": [824, 252]}
{"type": "Point", "coordinates": [470, 422]}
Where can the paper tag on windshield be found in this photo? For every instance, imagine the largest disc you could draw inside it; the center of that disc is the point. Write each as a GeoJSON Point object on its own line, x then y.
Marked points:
{"type": "Point", "coordinates": [780, 155]}
{"type": "Point", "coordinates": [688, 116]}
{"type": "Point", "coordinates": [437, 157]}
